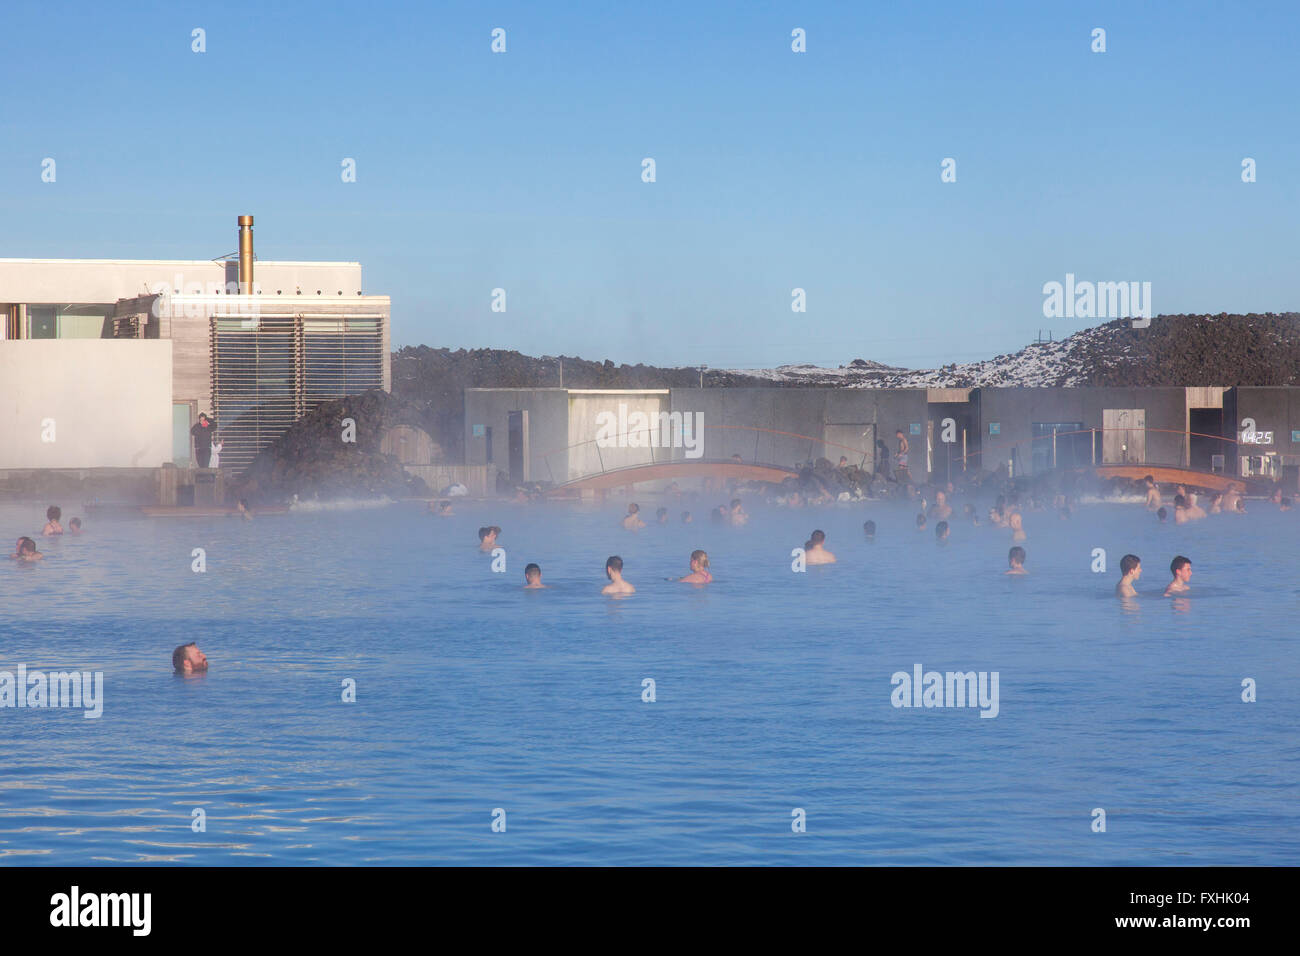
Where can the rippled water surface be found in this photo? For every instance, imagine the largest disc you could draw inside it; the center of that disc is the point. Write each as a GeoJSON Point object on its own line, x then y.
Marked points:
{"type": "Point", "coordinates": [773, 692]}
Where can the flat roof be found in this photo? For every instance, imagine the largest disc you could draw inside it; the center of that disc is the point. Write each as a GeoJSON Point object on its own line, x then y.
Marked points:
{"type": "Point", "coordinates": [188, 262]}
{"type": "Point", "coordinates": [218, 298]}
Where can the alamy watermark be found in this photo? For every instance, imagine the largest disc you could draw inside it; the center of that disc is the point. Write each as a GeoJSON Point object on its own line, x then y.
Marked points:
{"type": "Point", "coordinates": [1098, 300]}
{"type": "Point", "coordinates": [923, 688]}
{"type": "Point", "coordinates": [624, 429]}
{"type": "Point", "coordinates": [82, 689]}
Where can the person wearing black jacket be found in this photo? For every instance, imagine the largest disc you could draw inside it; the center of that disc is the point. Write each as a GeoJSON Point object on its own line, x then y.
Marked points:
{"type": "Point", "coordinates": [203, 432]}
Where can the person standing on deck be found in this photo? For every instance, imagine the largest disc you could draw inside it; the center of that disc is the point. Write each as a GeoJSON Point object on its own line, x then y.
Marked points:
{"type": "Point", "coordinates": [203, 432]}
{"type": "Point", "coordinates": [901, 471]}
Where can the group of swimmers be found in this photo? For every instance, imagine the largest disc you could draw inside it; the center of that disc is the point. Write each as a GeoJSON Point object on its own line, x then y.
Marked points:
{"type": "Point", "coordinates": [1187, 509]}
{"type": "Point", "coordinates": [1130, 569]}
{"type": "Point", "coordinates": [733, 514]}
{"type": "Point", "coordinates": [26, 550]}
{"type": "Point", "coordinates": [1005, 513]}
{"type": "Point", "coordinates": [699, 566]}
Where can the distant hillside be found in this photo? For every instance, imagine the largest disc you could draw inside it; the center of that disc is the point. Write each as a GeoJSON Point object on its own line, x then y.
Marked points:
{"type": "Point", "coordinates": [1174, 350]}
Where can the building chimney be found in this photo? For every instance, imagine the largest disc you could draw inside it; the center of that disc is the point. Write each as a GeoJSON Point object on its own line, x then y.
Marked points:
{"type": "Point", "coordinates": [245, 255]}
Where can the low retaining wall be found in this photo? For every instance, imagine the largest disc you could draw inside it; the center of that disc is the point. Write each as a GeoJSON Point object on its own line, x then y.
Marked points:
{"type": "Point", "coordinates": [473, 477]}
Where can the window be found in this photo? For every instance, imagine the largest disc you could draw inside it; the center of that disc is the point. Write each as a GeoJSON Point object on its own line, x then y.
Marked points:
{"type": "Point", "coordinates": [42, 322]}
{"type": "Point", "coordinates": [82, 321]}
{"type": "Point", "coordinates": [67, 321]}
{"type": "Point", "coordinates": [1261, 466]}
{"type": "Point", "coordinates": [1072, 447]}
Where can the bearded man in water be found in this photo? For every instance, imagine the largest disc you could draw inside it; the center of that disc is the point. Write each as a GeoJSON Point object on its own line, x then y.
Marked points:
{"type": "Point", "coordinates": [187, 659]}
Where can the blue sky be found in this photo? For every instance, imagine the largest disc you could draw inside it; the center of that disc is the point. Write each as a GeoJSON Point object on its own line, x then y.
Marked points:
{"type": "Point", "coordinates": [775, 170]}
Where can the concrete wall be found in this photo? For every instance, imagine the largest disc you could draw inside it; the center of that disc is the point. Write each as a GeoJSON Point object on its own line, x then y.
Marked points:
{"type": "Point", "coordinates": [731, 416]}
{"type": "Point", "coordinates": [479, 479]}
{"type": "Point", "coordinates": [111, 402]}
{"type": "Point", "coordinates": [761, 424]}
{"type": "Point", "coordinates": [1016, 409]}
{"type": "Point", "coordinates": [107, 280]}
{"type": "Point", "coordinates": [628, 440]}
{"type": "Point", "coordinates": [548, 425]}
{"type": "Point", "coordinates": [1275, 410]}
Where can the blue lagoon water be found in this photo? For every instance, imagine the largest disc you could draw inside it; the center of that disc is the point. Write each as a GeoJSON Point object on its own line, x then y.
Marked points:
{"type": "Point", "coordinates": [773, 692]}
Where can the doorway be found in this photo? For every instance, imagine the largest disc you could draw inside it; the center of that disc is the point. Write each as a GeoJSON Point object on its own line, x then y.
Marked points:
{"type": "Point", "coordinates": [947, 458]}
{"type": "Point", "coordinates": [1063, 445]}
{"type": "Point", "coordinates": [856, 442]}
{"type": "Point", "coordinates": [1201, 449]}
{"type": "Point", "coordinates": [1124, 436]}
{"type": "Point", "coordinates": [181, 423]}
{"type": "Point", "coordinates": [517, 446]}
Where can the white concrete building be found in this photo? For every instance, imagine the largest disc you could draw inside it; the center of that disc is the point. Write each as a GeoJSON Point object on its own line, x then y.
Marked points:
{"type": "Point", "coordinates": [106, 363]}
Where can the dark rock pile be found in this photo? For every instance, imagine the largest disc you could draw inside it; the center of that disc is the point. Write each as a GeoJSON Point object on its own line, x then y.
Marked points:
{"type": "Point", "coordinates": [313, 461]}
{"type": "Point", "coordinates": [1195, 350]}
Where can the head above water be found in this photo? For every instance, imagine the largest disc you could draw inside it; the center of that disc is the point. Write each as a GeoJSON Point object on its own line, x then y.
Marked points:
{"type": "Point", "coordinates": [489, 532]}
{"type": "Point", "coordinates": [613, 566]}
{"type": "Point", "coordinates": [817, 537]}
{"type": "Point", "coordinates": [75, 524]}
{"type": "Point", "coordinates": [1129, 564]}
{"type": "Point", "coordinates": [1178, 563]}
{"type": "Point", "coordinates": [26, 546]}
{"type": "Point", "coordinates": [1016, 557]}
{"type": "Point", "coordinates": [920, 521]}
{"type": "Point", "coordinates": [532, 573]}
{"type": "Point", "coordinates": [1163, 514]}
{"type": "Point", "coordinates": [53, 513]}
{"type": "Point", "coordinates": [188, 659]}
{"type": "Point", "coordinates": [699, 558]}
{"type": "Point", "coordinates": [941, 530]}
{"type": "Point", "coordinates": [869, 528]}
{"type": "Point", "coordinates": [633, 508]}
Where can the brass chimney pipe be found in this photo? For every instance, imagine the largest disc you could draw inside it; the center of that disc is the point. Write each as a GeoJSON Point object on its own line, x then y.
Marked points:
{"type": "Point", "coordinates": [246, 255]}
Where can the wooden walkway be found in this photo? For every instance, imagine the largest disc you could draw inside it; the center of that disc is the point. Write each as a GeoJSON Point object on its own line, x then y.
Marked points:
{"type": "Point", "coordinates": [1166, 475]}
{"type": "Point", "coordinates": [203, 511]}
{"type": "Point", "coordinates": [671, 470]}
